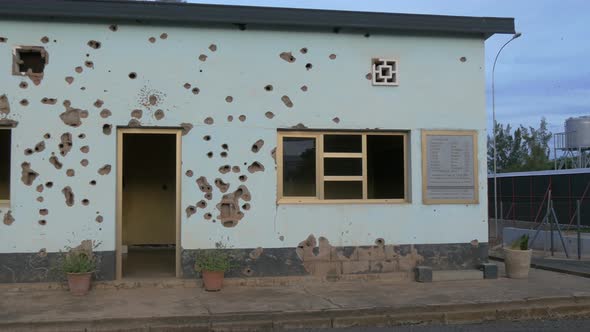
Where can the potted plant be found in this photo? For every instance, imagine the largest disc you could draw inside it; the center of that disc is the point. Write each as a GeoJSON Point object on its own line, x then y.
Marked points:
{"type": "Point", "coordinates": [212, 264]}
{"type": "Point", "coordinates": [78, 265]}
{"type": "Point", "coordinates": [517, 258]}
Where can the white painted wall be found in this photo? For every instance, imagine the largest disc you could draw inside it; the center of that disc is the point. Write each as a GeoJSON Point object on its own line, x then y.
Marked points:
{"type": "Point", "coordinates": [436, 91]}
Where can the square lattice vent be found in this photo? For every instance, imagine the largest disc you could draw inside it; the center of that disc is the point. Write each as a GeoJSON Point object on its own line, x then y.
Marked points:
{"type": "Point", "coordinates": [385, 72]}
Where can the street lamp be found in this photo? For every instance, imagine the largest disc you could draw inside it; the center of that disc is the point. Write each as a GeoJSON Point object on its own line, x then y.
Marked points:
{"type": "Point", "coordinates": [516, 35]}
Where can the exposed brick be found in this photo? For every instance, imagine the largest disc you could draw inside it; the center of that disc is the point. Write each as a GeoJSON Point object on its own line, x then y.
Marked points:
{"type": "Point", "coordinates": [354, 267]}
{"type": "Point", "coordinates": [344, 254]}
{"type": "Point", "coordinates": [384, 266]}
{"type": "Point", "coordinates": [375, 253]}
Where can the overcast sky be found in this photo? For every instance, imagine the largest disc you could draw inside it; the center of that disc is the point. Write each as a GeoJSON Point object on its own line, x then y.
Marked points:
{"type": "Point", "coordinates": [546, 72]}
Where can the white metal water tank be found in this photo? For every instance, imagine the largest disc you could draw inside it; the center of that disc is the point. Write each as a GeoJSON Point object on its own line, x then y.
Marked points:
{"type": "Point", "coordinates": [578, 132]}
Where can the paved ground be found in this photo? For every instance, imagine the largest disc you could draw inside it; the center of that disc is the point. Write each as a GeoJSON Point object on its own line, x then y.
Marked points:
{"type": "Point", "coordinates": [316, 304]}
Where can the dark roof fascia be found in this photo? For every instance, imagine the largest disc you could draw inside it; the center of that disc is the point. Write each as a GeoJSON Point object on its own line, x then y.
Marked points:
{"type": "Point", "coordinates": [256, 17]}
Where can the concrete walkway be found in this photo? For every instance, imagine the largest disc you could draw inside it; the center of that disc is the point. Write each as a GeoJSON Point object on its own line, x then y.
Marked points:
{"type": "Point", "coordinates": [323, 304]}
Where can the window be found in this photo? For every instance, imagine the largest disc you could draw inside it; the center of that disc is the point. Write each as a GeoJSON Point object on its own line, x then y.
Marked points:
{"type": "Point", "coordinates": [333, 167]}
{"type": "Point", "coordinates": [4, 165]}
{"type": "Point", "coordinates": [33, 58]}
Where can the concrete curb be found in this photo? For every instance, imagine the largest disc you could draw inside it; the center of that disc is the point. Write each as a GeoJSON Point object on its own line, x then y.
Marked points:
{"type": "Point", "coordinates": [526, 309]}
{"type": "Point", "coordinates": [547, 267]}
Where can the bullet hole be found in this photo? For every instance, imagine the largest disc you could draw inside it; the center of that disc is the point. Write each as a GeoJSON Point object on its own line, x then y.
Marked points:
{"type": "Point", "coordinates": [68, 195]}
{"type": "Point", "coordinates": [136, 114]}
{"type": "Point", "coordinates": [273, 154]}
{"type": "Point", "coordinates": [42, 222]}
{"type": "Point", "coordinates": [247, 272]}
{"type": "Point", "coordinates": [281, 238]}
{"type": "Point", "coordinates": [85, 202]}
{"type": "Point", "coordinates": [287, 56]}
{"type": "Point", "coordinates": [212, 47]}
{"type": "Point", "coordinates": [40, 188]}
{"type": "Point", "coordinates": [107, 129]}
{"type": "Point", "coordinates": [45, 40]}
{"type": "Point", "coordinates": [187, 85]}
{"type": "Point", "coordinates": [225, 169]}
{"type": "Point", "coordinates": [189, 173]}
{"type": "Point", "coordinates": [69, 79]}
{"type": "Point", "coordinates": [229, 99]}
{"type": "Point", "coordinates": [256, 167]}
{"type": "Point", "coordinates": [3, 39]}
{"type": "Point", "coordinates": [202, 204]}
{"type": "Point", "coordinates": [164, 36]}
{"type": "Point", "coordinates": [257, 146]}
{"type": "Point", "coordinates": [210, 154]}
{"type": "Point", "coordinates": [242, 118]}
{"type": "Point", "coordinates": [39, 146]}
{"type": "Point", "coordinates": [159, 114]}
{"type": "Point", "coordinates": [241, 26]}
{"type": "Point", "coordinates": [269, 115]}
{"type": "Point", "coordinates": [24, 102]}
{"type": "Point", "coordinates": [85, 149]}
{"type": "Point", "coordinates": [287, 101]}
{"type": "Point", "coordinates": [332, 56]}
{"type": "Point", "coordinates": [47, 136]}
{"type": "Point", "coordinates": [8, 218]}
{"type": "Point", "coordinates": [299, 126]}
{"type": "Point", "coordinates": [367, 35]}
{"type": "Point", "coordinates": [204, 185]}
{"type": "Point", "coordinates": [230, 118]}
{"type": "Point", "coordinates": [79, 69]}
{"type": "Point", "coordinates": [93, 183]}
{"type": "Point", "coordinates": [268, 88]}
{"type": "Point", "coordinates": [235, 169]}
{"type": "Point", "coordinates": [153, 100]}
{"type": "Point", "coordinates": [223, 154]}
{"type": "Point", "coordinates": [113, 27]}
{"type": "Point", "coordinates": [207, 216]}
{"type": "Point", "coordinates": [99, 219]}
{"type": "Point", "coordinates": [196, 91]}
{"type": "Point", "coordinates": [43, 212]}
{"type": "Point", "coordinates": [224, 146]}
{"type": "Point", "coordinates": [104, 170]}
{"type": "Point", "coordinates": [49, 184]}
{"type": "Point", "coordinates": [229, 209]}
{"type": "Point", "coordinates": [186, 128]}
{"type": "Point", "coordinates": [336, 120]}
{"type": "Point", "coordinates": [48, 101]}
{"type": "Point", "coordinates": [94, 44]}
{"type": "Point", "coordinates": [303, 50]}
{"type": "Point", "coordinates": [40, 199]}
{"type": "Point", "coordinates": [89, 64]}
{"type": "Point", "coordinates": [336, 30]}
{"type": "Point", "coordinates": [223, 187]}
{"type": "Point", "coordinates": [28, 152]}
{"type": "Point", "coordinates": [308, 66]}
{"type": "Point", "coordinates": [207, 137]}
{"type": "Point", "coordinates": [82, 136]}
{"type": "Point", "coordinates": [27, 174]}
{"type": "Point", "coordinates": [23, 85]}
{"type": "Point", "coordinates": [369, 76]}
{"type": "Point", "coordinates": [209, 196]}
{"type": "Point", "coordinates": [132, 75]}
{"type": "Point", "coordinates": [84, 162]}
{"type": "Point", "coordinates": [203, 57]}
{"type": "Point", "coordinates": [463, 59]}
{"type": "Point", "coordinates": [190, 210]}
{"type": "Point", "coordinates": [380, 242]}
{"type": "Point", "coordinates": [243, 178]}
{"type": "Point", "coordinates": [209, 121]}
{"type": "Point", "coordinates": [70, 172]}
{"type": "Point", "coordinates": [72, 116]}
{"type": "Point", "coordinates": [246, 206]}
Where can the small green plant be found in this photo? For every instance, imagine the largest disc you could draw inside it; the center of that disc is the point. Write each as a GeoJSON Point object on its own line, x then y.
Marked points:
{"type": "Point", "coordinates": [522, 243]}
{"type": "Point", "coordinates": [78, 262]}
{"type": "Point", "coordinates": [214, 260]}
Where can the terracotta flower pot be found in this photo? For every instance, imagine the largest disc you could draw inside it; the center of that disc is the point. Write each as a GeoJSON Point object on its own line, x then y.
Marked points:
{"type": "Point", "coordinates": [212, 280]}
{"type": "Point", "coordinates": [518, 263]}
{"type": "Point", "coordinates": [79, 283]}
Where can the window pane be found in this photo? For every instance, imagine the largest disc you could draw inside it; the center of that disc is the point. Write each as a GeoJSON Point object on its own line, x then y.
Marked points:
{"type": "Point", "coordinates": [343, 143]}
{"type": "Point", "coordinates": [343, 189]}
{"type": "Point", "coordinates": [385, 166]}
{"type": "Point", "coordinates": [343, 166]}
{"type": "Point", "coordinates": [299, 166]}
{"type": "Point", "coordinates": [4, 164]}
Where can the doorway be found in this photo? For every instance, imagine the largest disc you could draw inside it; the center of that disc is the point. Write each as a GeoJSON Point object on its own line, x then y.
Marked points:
{"type": "Point", "coordinates": [148, 188]}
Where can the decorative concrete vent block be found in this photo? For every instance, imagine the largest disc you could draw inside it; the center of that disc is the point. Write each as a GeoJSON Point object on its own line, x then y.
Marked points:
{"type": "Point", "coordinates": [384, 72]}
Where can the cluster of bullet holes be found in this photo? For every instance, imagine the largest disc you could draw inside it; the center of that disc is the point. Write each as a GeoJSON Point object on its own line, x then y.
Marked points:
{"type": "Point", "coordinates": [94, 44]}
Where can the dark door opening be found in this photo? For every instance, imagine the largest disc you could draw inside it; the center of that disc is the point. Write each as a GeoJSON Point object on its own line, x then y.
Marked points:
{"type": "Point", "coordinates": [149, 205]}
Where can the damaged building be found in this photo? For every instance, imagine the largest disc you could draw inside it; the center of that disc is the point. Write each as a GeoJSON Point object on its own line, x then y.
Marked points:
{"type": "Point", "coordinates": [303, 142]}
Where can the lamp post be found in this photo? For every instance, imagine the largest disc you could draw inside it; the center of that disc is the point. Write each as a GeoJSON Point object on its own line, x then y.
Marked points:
{"type": "Point", "coordinates": [516, 35]}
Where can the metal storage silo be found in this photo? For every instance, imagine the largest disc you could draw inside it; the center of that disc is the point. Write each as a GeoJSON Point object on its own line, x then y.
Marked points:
{"type": "Point", "coordinates": [578, 132]}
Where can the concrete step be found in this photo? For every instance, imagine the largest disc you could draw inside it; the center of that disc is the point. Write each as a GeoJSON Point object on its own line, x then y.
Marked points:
{"type": "Point", "coordinates": [455, 275]}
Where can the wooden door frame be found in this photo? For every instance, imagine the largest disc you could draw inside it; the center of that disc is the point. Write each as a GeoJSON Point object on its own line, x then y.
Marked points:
{"type": "Point", "coordinates": [119, 200]}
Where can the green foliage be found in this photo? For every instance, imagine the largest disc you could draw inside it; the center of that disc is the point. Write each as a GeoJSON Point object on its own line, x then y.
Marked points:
{"type": "Point", "coordinates": [522, 243]}
{"type": "Point", "coordinates": [78, 262]}
{"type": "Point", "coordinates": [212, 260]}
{"type": "Point", "coordinates": [521, 149]}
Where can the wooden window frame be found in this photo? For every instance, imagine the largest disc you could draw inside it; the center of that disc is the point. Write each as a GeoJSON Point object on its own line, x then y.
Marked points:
{"type": "Point", "coordinates": [6, 202]}
{"type": "Point", "coordinates": [321, 178]}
